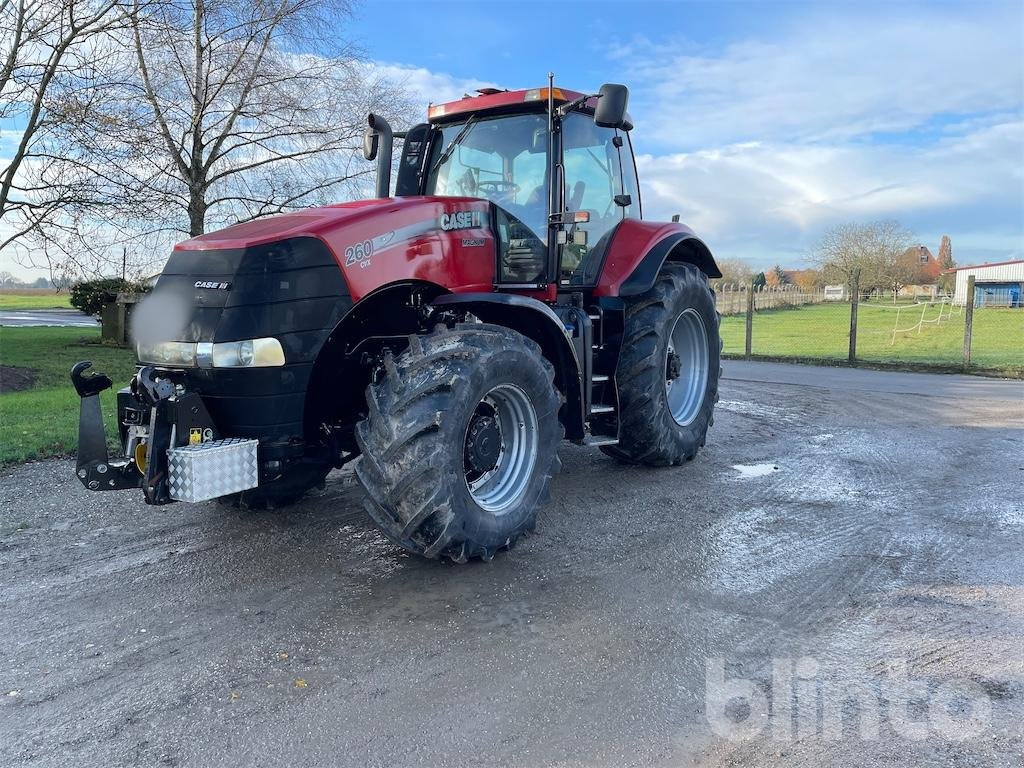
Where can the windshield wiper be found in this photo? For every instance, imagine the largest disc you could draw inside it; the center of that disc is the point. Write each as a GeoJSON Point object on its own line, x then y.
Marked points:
{"type": "Point", "coordinates": [452, 144]}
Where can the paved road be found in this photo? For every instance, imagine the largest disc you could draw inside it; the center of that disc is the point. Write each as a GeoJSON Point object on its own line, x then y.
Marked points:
{"type": "Point", "coordinates": [869, 525]}
{"type": "Point", "coordinates": [49, 317]}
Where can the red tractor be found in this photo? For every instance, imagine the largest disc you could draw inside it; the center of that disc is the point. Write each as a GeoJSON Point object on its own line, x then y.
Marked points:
{"type": "Point", "coordinates": [506, 296]}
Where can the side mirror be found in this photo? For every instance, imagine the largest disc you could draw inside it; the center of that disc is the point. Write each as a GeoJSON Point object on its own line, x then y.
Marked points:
{"type": "Point", "coordinates": [370, 144]}
{"type": "Point", "coordinates": [611, 106]}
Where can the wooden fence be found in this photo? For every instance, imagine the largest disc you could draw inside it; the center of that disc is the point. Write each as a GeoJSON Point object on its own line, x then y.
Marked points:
{"type": "Point", "coordinates": [732, 299]}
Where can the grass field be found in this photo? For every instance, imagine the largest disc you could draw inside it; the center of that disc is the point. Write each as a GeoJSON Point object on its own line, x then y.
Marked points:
{"type": "Point", "coordinates": [43, 421]}
{"type": "Point", "coordinates": [34, 300]}
{"type": "Point", "coordinates": [821, 331]}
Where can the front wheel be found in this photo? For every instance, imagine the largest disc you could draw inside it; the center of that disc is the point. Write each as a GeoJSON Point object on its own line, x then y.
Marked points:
{"type": "Point", "coordinates": [460, 443]}
{"type": "Point", "coordinates": [668, 370]}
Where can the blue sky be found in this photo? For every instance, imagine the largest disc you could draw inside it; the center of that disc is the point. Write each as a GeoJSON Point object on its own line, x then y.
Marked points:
{"type": "Point", "coordinates": [764, 123]}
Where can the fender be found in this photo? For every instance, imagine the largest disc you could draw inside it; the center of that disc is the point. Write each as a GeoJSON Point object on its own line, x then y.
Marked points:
{"type": "Point", "coordinates": [535, 320]}
{"type": "Point", "coordinates": [638, 250]}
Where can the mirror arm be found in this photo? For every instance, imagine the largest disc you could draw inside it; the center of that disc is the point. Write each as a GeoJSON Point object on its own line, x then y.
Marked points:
{"type": "Point", "coordinates": [570, 106]}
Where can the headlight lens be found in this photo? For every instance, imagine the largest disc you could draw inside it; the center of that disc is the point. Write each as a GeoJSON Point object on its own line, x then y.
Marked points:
{"type": "Point", "coordinates": [248, 353]}
{"type": "Point", "coordinates": [179, 353]}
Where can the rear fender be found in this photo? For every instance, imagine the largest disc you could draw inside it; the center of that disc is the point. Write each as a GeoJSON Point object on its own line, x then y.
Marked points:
{"type": "Point", "coordinates": [535, 320]}
{"type": "Point", "coordinates": [638, 251]}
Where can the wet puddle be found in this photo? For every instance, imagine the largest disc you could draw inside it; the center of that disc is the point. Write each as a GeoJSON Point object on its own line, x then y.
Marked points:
{"type": "Point", "coordinates": [755, 470]}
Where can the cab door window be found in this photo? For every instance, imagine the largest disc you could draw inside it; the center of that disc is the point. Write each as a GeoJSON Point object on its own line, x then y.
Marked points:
{"type": "Point", "coordinates": [594, 175]}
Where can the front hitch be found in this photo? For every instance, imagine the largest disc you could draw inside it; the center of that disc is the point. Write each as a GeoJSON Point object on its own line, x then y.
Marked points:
{"type": "Point", "coordinates": [159, 418]}
{"type": "Point", "coordinates": [93, 466]}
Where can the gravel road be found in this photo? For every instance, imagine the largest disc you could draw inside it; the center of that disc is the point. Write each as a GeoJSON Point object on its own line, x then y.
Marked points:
{"type": "Point", "coordinates": [843, 531]}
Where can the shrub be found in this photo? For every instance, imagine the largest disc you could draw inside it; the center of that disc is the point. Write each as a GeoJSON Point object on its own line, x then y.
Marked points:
{"type": "Point", "coordinates": [91, 295]}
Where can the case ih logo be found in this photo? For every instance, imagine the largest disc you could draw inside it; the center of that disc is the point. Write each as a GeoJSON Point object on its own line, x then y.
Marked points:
{"type": "Point", "coordinates": [461, 220]}
{"type": "Point", "coordinates": [212, 284]}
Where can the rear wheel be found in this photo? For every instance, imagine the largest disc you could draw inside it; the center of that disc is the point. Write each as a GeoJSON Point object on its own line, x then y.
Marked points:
{"type": "Point", "coordinates": [668, 370]}
{"type": "Point", "coordinates": [460, 443]}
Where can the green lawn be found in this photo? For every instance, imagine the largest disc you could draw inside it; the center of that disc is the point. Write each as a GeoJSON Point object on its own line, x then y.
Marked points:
{"type": "Point", "coordinates": [821, 332]}
{"type": "Point", "coordinates": [34, 301]}
{"type": "Point", "coordinates": [43, 421]}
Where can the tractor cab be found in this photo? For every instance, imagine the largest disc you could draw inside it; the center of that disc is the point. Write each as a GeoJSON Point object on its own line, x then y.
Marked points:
{"type": "Point", "coordinates": [558, 171]}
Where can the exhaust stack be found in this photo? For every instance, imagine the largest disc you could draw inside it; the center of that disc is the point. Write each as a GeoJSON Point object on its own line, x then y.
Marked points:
{"type": "Point", "coordinates": [377, 143]}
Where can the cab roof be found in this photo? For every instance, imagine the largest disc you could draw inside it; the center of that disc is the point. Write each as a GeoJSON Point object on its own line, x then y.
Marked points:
{"type": "Point", "coordinates": [492, 99]}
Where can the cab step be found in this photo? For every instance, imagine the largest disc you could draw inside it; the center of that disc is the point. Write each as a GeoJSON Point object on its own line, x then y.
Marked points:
{"type": "Point", "coordinates": [597, 408]}
{"type": "Point", "coordinates": [599, 378]}
{"type": "Point", "coordinates": [599, 440]}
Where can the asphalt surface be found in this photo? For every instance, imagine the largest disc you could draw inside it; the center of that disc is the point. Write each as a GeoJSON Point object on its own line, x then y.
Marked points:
{"type": "Point", "coordinates": [70, 318]}
{"type": "Point", "coordinates": [869, 525]}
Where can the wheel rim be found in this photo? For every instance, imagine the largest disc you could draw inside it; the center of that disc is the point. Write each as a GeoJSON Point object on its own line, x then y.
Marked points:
{"type": "Point", "coordinates": [497, 488]}
{"type": "Point", "coordinates": [686, 367]}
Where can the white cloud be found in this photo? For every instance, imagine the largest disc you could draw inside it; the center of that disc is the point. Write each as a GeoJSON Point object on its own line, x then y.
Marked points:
{"type": "Point", "coordinates": [428, 87]}
{"type": "Point", "coordinates": [770, 200]}
{"type": "Point", "coordinates": [915, 114]}
{"type": "Point", "coordinates": [830, 78]}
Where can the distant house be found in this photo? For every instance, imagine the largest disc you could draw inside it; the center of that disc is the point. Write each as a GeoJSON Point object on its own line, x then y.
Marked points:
{"type": "Point", "coordinates": [929, 269]}
{"type": "Point", "coordinates": [996, 285]}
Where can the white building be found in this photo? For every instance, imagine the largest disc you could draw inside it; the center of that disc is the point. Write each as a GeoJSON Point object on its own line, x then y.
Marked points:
{"type": "Point", "coordinates": [1000, 284]}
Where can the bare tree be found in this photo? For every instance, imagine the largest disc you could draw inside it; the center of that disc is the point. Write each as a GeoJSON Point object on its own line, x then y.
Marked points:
{"type": "Point", "coordinates": [203, 113]}
{"type": "Point", "coordinates": [735, 272]}
{"type": "Point", "coordinates": [871, 249]}
{"type": "Point", "coordinates": [232, 122]}
{"type": "Point", "coordinates": [49, 54]}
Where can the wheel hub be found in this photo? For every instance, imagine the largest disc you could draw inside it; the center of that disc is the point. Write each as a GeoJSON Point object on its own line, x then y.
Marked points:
{"type": "Point", "coordinates": [672, 365]}
{"type": "Point", "coordinates": [483, 444]}
{"type": "Point", "coordinates": [685, 386]}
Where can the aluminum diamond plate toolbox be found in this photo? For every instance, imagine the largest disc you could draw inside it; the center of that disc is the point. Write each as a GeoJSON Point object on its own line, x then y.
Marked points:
{"type": "Point", "coordinates": [215, 468]}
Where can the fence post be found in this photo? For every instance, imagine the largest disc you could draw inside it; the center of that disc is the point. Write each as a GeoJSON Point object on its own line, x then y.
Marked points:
{"type": "Point", "coordinates": [968, 320]}
{"type": "Point", "coordinates": [854, 300]}
{"type": "Point", "coordinates": [750, 316]}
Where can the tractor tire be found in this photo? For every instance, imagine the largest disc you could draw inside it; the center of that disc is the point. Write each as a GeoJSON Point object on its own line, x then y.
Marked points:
{"type": "Point", "coordinates": [668, 370]}
{"type": "Point", "coordinates": [282, 492]}
{"type": "Point", "coordinates": [460, 443]}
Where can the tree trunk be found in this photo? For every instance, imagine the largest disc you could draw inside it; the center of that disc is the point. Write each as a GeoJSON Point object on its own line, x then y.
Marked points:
{"type": "Point", "coordinates": [196, 212]}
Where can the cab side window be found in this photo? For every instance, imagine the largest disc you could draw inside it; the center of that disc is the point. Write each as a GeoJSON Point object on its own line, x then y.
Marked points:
{"type": "Point", "coordinates": [595, 174]}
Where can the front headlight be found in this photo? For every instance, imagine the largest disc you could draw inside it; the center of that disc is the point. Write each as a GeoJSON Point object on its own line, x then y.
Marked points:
{"type": "Point", "coordinates": [248, 353]}
{"type": "Point", "coordinates": [175, 353]}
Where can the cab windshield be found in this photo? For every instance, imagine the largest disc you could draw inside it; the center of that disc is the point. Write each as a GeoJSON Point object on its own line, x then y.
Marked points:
{"type": "Point", "coordinates": [501, 159]}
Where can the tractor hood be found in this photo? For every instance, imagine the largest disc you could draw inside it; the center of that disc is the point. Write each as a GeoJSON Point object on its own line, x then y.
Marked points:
{"type": "Point", "coordinates": [312, 222]}
{"type": "Point", "coordinates": [448, 241]}
{"type": "Point", "coordinates": [294, 273]}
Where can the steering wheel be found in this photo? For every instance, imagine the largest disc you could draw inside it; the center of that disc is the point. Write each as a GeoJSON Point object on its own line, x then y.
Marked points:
{"type": "Point", "coordinates": [498, 187]}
